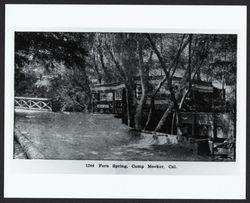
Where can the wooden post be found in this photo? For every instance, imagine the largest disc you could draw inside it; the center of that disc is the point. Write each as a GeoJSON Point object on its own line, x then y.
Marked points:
{"type": "Point", "coordinates": [124, 105]}
{"type": "Point", "coordinates": [189, 60]}
{"type": "Point", "coordinates": [29, 103]}
{"type": "Point", "coordinates": [214, 124]}
{"type": "Point", "coordinates": [113, 109]}
{"type": "Point", "coordinates": [194, 124]}
{"type": "Point", "coordinates": [194, 114]}
{"type": "Point", "coordinates": [235, 125]}
{"type": "Point", "coordinates": [214, 131]}
{"type": "Point", "coordinates": [173, 122]}
{"type": "Point", "coordinates": [92, 106]}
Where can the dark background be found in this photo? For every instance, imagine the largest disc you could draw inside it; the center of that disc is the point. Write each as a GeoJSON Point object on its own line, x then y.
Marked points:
{"type": "Point", "coordinates": [125, 2]}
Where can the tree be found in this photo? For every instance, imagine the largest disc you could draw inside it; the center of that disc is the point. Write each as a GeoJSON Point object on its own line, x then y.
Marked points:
{"type": "Point", "coordinates": [120, 48]}
{"type": "Point", "coordinates": [167, 78]}
{"type": "Point", "coordinates": [144, 79]}
{"type": "Point", "coordinates": [68, 49]}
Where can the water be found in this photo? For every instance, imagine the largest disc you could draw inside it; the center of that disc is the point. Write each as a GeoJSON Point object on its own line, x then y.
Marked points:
{"type": "Point", "coordinates": [83, 136]}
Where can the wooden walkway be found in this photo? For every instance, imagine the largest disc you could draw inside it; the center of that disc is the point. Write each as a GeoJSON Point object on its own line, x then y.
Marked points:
{"type": "Point", "coordinates": [29, 103]}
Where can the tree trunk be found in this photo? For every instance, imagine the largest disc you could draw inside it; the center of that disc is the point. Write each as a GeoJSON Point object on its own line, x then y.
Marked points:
{"type": "Point", "coordinates": [151, 113]}
{"type": "Point", "coordinates": [84, 84]}
{"type": "Point", "coordinates": [189, 60]}
{"type": "Point", "coordinates": [99, 78]}
{"type": "Point", "coordinates": [139, 113]}
{"type": "Point", "coordinates": [129, 106]}
{"type": "Point", "coordinates": [152, 102]}
{"type": "Point", "coordinates": [179, 127]}
{"type": "Point", "coordinates": [167, 75]}
{"type": "Point", "coordinates": [143, 71]}
{"type": "Point", "coordinates": [129, 88]}
{"type": "Point", "coordinates": [179, 100]}
{"type": "Point", "coordinates": [162, 122]}
{"type": "Point", "coordinates": [107, 77]}
{"type": "Point", "coordinates": [173, 123]}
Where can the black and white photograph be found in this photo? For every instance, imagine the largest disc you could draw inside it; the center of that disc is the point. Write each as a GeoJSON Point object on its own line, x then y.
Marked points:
{"type": "Point", "coordinates": [126, 96]}
{"type": "Point", "coordinates": [125, 101]}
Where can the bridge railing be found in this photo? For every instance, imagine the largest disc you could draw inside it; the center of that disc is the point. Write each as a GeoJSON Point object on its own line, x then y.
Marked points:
{"type": "Point", "coordinates": [30, 103]}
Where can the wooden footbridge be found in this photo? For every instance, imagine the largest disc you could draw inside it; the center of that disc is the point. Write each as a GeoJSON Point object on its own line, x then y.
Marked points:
{"type": "Point", "coordinates": [30, 103]}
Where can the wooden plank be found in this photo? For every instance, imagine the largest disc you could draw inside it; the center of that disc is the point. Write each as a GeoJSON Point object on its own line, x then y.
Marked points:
{"type": "Point", "coordinates": [33, 98]}
{"type": "Point", "coordinates": [18, 107]}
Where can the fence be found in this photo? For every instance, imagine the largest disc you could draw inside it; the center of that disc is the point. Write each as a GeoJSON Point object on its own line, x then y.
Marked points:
{"type": "Point", "coordinates": [42, 104]}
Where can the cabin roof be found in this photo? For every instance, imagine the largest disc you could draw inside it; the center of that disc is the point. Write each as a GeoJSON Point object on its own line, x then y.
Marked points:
{"type": "Point", "coordinates": [200, 86]}
{"type": "Point", "coordinates": [107, 87]}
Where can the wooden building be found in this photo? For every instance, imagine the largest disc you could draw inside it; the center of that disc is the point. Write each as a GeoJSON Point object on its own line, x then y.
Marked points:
{"type": "Point", "coordinates": [203, 117]}
{"type": "Point", "coordinates": [108, 98]}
